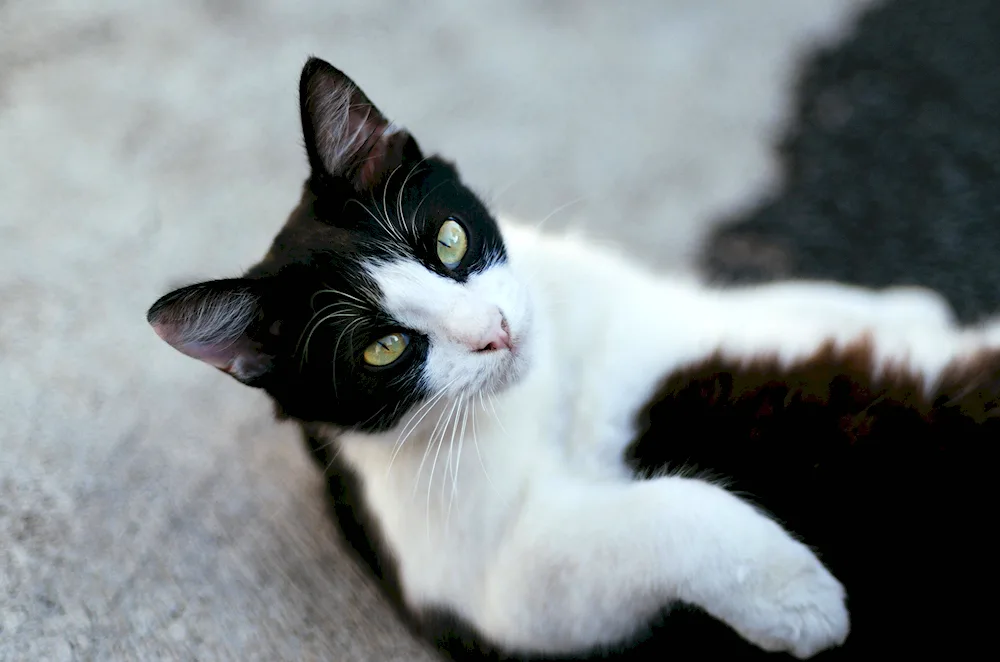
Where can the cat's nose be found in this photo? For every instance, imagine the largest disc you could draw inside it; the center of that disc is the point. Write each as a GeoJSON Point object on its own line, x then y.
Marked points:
{"type": "Point", "coordinates": [498, 338]}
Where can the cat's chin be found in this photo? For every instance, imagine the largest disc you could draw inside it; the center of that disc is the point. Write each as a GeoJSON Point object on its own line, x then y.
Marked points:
{"type": "Point", "coordinates": [511, 366]}
{"type": "Point", "coordinates": [509, 373]}
{"type": "Point", "coordinates": [502, 370]}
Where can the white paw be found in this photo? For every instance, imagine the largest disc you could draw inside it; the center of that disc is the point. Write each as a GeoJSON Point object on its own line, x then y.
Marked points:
{"type": "Point", "coordinates": [792, 604]}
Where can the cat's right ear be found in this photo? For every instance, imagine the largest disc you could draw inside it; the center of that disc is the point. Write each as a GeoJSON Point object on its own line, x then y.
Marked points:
{"type": "Point", "coordinates": [345, 135]}
{"type": "Point", "coordinates": [218, 322]}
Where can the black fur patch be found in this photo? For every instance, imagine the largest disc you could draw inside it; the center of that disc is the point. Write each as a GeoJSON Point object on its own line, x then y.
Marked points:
{"type": "Point", "coordinates": [895, 491]}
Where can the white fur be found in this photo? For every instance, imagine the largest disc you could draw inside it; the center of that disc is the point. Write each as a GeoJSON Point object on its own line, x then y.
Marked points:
{"type": "Point", "coordinates": [516, 511]}
{"type": "Point", "coordinates": [459, 318]}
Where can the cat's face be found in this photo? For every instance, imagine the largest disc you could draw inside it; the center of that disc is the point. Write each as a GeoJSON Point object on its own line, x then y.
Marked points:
{"type": "Point", "coordinates": [388, 285]}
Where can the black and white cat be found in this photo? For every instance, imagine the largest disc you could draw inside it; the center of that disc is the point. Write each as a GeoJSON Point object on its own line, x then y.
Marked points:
{"type": "Point", "coordinates": [516, 426]}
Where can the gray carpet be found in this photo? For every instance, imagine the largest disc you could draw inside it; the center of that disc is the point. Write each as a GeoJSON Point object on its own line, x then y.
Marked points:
{"type": "Point", "coordinates": [149, 507]}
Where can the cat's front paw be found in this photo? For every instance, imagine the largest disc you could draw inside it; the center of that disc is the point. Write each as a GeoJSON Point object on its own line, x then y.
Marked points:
{"type": "Point", "coordinates": [793, 605]}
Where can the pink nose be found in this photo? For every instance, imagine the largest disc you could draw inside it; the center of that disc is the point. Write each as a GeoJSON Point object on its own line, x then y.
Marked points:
{"type": "Point", "coordinates": [498, 339]}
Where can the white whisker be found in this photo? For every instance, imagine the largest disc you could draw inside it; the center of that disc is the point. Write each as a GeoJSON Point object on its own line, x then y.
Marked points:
{"type": "Point", "coordinates": [495, 414]}
{"type": "Point", "coordinates": [393, 231]}
{"type": "Point", "coordinates": [437, 453]}
{"type": "Point", "coordinates": [556, 211]}
{"type": "Point", "coordinates": [329, 443]}
{"type": "Point", "coordinates": [333, 459]}
{"type": "Point", "coordinates": [458, 463]}
{"type": "Point", "coordinates": [314, 328]}
{"type": "Point", "coordinates": [495, 197]}
{"type": "Point", "coordinates": [428, 406]}
{"type": "Point", "coordinates": [451, 447]}
{"type": "Point", "coordinates": [330, 290]}
{"type": "Point", "coordinates": [424, 199]}
{"type": "Point", "coordinates": [378, 220]}
{"type": "Point", "coordinates": [377, 412]}
{"type": "Point", "coordinates": [399, 200]}
{"type": "Point", "coordinates": [336, 348]}
{"type": "Point", "coordinates": [475, 441]}
{"type": "Point", "coordinates": [430, 442]}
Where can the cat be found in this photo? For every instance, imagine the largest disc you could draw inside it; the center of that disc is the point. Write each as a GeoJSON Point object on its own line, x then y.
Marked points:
{"type": "Point", "coordinates": [545, 450]}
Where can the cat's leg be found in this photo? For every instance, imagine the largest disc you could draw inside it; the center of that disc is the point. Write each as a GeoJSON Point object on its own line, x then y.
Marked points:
{"type": "Point", "coordinates": [919, 304]}
{"type": "Point", "coordinates": [586, 564]}
{"type": "Point", "coordinates": [900, 328]}
{"type": "Point", "coordinates": [900, 304]}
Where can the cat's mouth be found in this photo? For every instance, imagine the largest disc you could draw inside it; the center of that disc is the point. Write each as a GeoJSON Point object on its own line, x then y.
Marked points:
{"type": "Point", "coordinates": [505, 367]}
{"type": "Point", "coordinates": [495, 360]}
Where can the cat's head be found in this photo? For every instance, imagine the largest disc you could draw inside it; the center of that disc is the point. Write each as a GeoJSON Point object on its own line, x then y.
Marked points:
{"type": "Point", "coordinates": [388, 284]}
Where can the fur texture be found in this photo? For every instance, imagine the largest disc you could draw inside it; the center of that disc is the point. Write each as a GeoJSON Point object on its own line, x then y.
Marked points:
{"type": "Point", "coordinates": [515, 472]}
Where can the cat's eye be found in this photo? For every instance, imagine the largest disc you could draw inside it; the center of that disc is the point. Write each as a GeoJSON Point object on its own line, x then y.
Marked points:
{"type": "Point", "coordinates": [386, 350]}
{"type": "Point", "coordinates": [452, 243]}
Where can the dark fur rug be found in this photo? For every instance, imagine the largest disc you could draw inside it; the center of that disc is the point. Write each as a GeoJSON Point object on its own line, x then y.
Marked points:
{"type": "Point", "coordinates": [892, 162]}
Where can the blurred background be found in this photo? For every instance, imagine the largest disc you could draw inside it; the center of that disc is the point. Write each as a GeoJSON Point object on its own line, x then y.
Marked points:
{"type": "Point", "coordinates": [149, 507]}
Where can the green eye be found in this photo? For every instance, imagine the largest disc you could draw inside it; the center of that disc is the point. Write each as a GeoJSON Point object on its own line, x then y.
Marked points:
{"type": "Point", "coordinates": [452, 243]}
{"type": "Point", "coordinates": [386, 350]}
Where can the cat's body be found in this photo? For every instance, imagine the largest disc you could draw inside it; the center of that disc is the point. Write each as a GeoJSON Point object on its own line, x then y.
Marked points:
{"type": "Point", "coordinates": [497, 411]}
{"type": "Point", "coordinates": [564, 447]}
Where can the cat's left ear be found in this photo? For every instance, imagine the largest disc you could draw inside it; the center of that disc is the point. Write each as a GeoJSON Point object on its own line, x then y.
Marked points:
{"type": "Point", "coordinates": [219, 322]}
{"type": "Point", "coordinates": [345, 134]}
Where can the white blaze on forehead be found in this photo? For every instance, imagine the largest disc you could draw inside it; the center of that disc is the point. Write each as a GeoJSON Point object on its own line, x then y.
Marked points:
{"type": "Point", "coordinates": [457, 318]}
{"type": "Point", "coordinates": [440, 307]}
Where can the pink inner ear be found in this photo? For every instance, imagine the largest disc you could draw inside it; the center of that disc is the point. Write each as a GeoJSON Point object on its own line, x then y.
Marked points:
{"type": "Point", "coordinates": [219, 355]}
{"type": "Point", "coordinates": [384, 154]}
{"type": "Point", "coordinates": [353, 138]}
{"type": "Point", "coordinates": [212, 322]}
{"type": "Point", "coordinates": [373, 165]}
